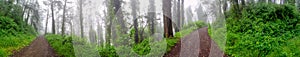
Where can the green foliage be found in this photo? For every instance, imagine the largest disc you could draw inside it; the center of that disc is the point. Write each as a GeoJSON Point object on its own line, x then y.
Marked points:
{"type": "Point", "coordinates": [142, 48]}
{"type": "Point", "coordinates": [107, 51]}
{"type": "Point", "coordinates": [218, 35]}
{"type": "Point", "coordinates": [72, 46]}
{"type": "Point", "coordinates": [12, 37]}
{"type": "Point", "coordinates": [2, 53]}
{"type": "Point", "coordinates": [14, 43]}
{"type": "Point", "coordinates": [8, 27]}
{"type": "Point", "coordinates": [62, 45]}
{"type": "Point", "coordinates": [263, 30]}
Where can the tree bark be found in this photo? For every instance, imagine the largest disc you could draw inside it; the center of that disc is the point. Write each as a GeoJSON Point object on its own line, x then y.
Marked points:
{"type": "Point", "coordinates": [53, 21]}
{"type": "Point", "coordinates": [151, 16]}
{"type": "Point", "coordinates": [182, 13]}
{"type": "Point", "coordinates": [178, 17]}
{"type": "Point", "coordinates": [47, 22]}
{"type": "Point", "coordinates": [135, 21]}
{"type": "Point", "coordinates": [81, 18]}
{"type": "Point", "coordinates": [64, 19]}
{"type": "Point", "coordinates": [168, 31]}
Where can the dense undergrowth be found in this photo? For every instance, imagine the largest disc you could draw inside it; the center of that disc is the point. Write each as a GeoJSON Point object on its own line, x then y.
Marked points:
{"type": "Point", "coordinates": [62, 45]}
{"type": "Point", "coordinates": [13, 37]}
{"type": "Point", "coordinates": [66, 47]}
{"type": "Point", "coordinates": [264, 30]}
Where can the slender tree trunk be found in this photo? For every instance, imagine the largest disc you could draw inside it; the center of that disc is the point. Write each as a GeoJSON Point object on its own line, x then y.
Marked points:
{"type": "Point", "coordinates": [168, 31]}
{"type": "Point", "coordinates": [53, 21]}
{"type": "Point", "coordinates": [178, 17]}
{"type": "Point", "coordinates": [110, 19]}
{"type": "Point", "coordinates": [81, 18]}
{"type": "Point", "coordinates": [135, 21]}
{"type": "Point", "coordinates": [64, 18]}
{"type": "Point", "coordinates": [151, 16]}
{"type": "Point", "coordinates": [182, 13]}
{"type": "Point", "coordinates": [47, 22]}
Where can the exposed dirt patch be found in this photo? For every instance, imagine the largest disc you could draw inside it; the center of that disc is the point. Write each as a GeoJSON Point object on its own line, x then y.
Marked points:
{"type": "Point", "coordinates": [38, 48]}
{"type": "Point", "coordinates": [197, 44]}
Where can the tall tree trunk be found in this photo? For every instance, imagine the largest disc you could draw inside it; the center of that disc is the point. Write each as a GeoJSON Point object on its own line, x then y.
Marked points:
{"type": "Point", "coordinates": [151, 16]}
{"type": "Point", "coordinates": [178, 17]}
{"type": "Point", "coordinates": [135, 21]}
{"type": "Point", "coordinates": [64, 19]}
{"type": "Point", "coordinates": [174, 15]}
{"type": "Point", "coordinates": [53, 21]}
{"type": "Point", "coordinates": [81, 18]}
{"type": "Point", "coordinates": [182, 13]}
{"type": "Point", "coordinates": [168, 31]}
{"type": "Point", "coordinates": [109, 21]}
{"type": "Point", "coordinates": [47, 22]}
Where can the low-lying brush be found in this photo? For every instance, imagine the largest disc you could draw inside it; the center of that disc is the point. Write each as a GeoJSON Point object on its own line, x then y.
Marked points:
{"type": "Point", "coordinates": [264, 30]}
{"type": "Point", "coordinates": [13, 38]}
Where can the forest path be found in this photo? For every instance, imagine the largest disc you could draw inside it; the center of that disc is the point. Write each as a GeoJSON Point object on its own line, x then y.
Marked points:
{"type": "Point", "coordinates": [38, 48]}
{"type": "Point", "coordinates": [196, 44]}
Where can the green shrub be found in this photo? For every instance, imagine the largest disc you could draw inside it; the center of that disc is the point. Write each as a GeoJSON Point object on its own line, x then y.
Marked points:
{"type": "Point", "coordinates": [12, 37]}
{"type": "Point", "coordinates": [107, 51]}
{"type": "Point", "coordinates": [72, 46]}
{"type": "Point", "coordinates": [8, 27]}
{"type": "Point", "coordinates": [142, 48]}
{"type": "Point", "coordinates": [62, 45]}
{"type": "Point", "coordinates": [263, 30]}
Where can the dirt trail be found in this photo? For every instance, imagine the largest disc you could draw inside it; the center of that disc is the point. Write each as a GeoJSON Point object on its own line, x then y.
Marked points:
{"type": "Point", "coordinates": [196, 44]}
{"type": "Point", "coordinates": [38, 48]}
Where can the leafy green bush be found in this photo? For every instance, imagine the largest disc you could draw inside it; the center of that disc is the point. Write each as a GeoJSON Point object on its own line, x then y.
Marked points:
{"type": "Point", "coordinates": [72, 46]}
{"type": "Point", "coordinates": [263, 30]}
{"type": "Point", "coordinates": [107, 51]}
{"type": "Point", "coordinates": [12, 37]}
{"type": "Point", "coordinates": [62, 45]}
{"type": "Point", "coordinates": [8, 27]}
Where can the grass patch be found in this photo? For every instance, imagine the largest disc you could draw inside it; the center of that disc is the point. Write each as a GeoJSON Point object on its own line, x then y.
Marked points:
{"type": "Point", "coordinates": [14, 43]}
